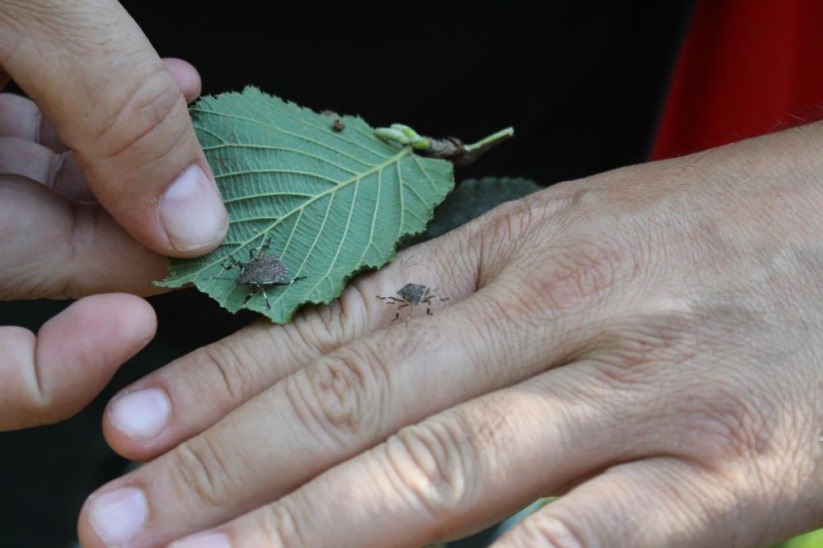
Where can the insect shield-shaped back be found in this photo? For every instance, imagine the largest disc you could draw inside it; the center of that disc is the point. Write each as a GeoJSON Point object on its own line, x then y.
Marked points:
{"type": "Point", "coordinates": [413, 294]}
{"type": "Point", "coordinates": [262, 270]}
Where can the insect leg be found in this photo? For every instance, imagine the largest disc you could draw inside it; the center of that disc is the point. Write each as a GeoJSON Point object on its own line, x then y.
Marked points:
{"type": "Point", "coordinates": [265, 297]}
{"type": "Point", "coordinates": [404, 305]}
{"type": "Point", "coordinates": [233, 262]}
{"type": "Point", "coordinates": [433, 294]}
{"type": "Point", "coordinates": [250, 295]}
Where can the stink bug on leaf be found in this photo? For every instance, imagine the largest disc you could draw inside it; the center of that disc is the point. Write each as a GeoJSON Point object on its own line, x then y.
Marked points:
{"type": "Point", "coordinates": [262, 270]}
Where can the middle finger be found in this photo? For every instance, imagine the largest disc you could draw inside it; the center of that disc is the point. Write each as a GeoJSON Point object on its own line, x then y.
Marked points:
{"type": "Point", "coordinates": [192, 393]}
{"type": "Point", "coordinates": [338, 406]}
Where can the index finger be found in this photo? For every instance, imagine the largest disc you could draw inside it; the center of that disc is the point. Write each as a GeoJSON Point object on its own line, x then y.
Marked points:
{"type": "Point", "coordinates": [53, 375]}
{"type": "Point", "coordinates": [333, 408]}
{"type": "Point", "coordinates": [192, 393]}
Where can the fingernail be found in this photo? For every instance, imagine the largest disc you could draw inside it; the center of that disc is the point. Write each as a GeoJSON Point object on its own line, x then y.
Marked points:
{"type": "Point", "coordinates": [119, 515]}
{"type": "Point", "coordinates": [141, 415]}
{"type": "Point", "coordinates": [192, 212]}
{"type": "Point", "coordinates": [205, 540]}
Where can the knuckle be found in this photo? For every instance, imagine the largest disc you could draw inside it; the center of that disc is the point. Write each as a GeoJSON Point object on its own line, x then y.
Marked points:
{"type": "Point", "coordinates": [279, 526]}
{"type": "Point", "coordinates": [744, 442]}
{"type": "Point", "coordinates": [432, 465]}
{"type": "Point", "coordinates": [579, 274]}
{"type": "Point", "coordinates": [642, 345]}
{"type": "Point", "coordinates": [304, 339]}
{"type": "Point", "coordinates": [339, 396]}
{"type": "Point", "coordinates": [503, 230]}
{"type": "Point", "coordinates": [355, 306]}
{"type": "Point", "coordinates": [230, 379]}
{"type": "Point", "coordinates": [589, 257]}
{"type": "Point", "coordinates": [315, 332]}
{"type": "Point", "coordinates": [323, 328]}
{"type": "Point", "coordinates": [513, 219]}
{"type": "Point", "coordinates": [548, 530]}
{"type": "Point", "coordinates": [45, 20]}
{"type": "Point", "coordinates": [512, 226]}
{"type": "Point", "coordinates": [144, 122]}
{"type": "Point", "coordinates": [726, 425]}
{"type": "Point", "coordinates": [202, 470]}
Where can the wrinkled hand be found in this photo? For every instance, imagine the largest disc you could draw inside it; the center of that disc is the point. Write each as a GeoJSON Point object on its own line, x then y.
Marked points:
{"type": "Point", "coordinates": [101, 176]}
{"type": "Point", "coordinates": [647, 341]}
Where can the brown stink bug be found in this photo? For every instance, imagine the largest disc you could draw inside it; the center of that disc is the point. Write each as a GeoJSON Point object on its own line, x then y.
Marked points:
{"type": "Point", "coordinates": [262, 270]}
{"type": "Point", "coordinates": [412, 295]}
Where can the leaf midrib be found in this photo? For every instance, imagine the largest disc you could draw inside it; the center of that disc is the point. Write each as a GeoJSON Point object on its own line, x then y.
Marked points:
{"type": "Point", "coordinates": [377, 168]}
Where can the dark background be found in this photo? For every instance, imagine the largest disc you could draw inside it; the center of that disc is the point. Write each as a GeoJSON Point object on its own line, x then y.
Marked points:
{"type": "Point", "coordinates": [582, 83]}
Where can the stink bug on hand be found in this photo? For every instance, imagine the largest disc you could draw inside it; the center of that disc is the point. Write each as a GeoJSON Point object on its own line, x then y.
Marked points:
{"type": "Point", "coordinates": [412, 295]}
{"type": "Point", "coordinates": [262, 270]}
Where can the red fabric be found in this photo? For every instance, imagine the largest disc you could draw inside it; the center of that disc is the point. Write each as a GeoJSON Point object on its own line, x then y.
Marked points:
{"type": "Point", "coordinates": [747, 67]}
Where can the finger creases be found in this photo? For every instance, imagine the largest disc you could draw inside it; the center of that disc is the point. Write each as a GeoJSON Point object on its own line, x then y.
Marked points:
{"type": "Point", "coordinates": [449, 475]}
{"type": "Point", "coordinates": [67, 250]}
{"type": "Point", "coordinates": [337, 406]}
{"type": "Point", "coordinates": [470, 466]}
{"type": "Point", "coordinates": [114, 103]}
{"type": "Point", "coordinates": [212, 381]}
{"type": "Point", "coordinates": [656, 502]}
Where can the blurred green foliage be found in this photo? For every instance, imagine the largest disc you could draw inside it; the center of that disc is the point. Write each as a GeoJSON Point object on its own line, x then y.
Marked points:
{"type": "Point", "coordinates": [813, 539]}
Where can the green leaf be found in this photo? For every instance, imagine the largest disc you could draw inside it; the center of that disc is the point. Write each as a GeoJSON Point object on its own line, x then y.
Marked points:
{"type": "Point", "coordinates": [813, 539]}
{"type": "Point", "coordinates": [328, 202]}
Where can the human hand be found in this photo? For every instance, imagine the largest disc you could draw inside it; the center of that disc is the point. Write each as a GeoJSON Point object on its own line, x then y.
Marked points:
{"type": "Point", "coordinates": [647, 341]}
{"type": "Point", "coordinates": [101, 176]}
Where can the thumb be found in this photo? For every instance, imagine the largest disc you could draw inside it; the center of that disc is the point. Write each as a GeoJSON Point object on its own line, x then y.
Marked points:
{"type": "Point", "coordinates": [111, 100]}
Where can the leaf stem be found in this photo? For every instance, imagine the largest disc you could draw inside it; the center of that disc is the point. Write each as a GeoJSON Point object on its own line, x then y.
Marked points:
{"type": "Point", "coordinates": [448, 148]}
{"type": "Point", "coordinates": [492, 140]}
{"type": "Point", "coordinates": [472, 152]}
